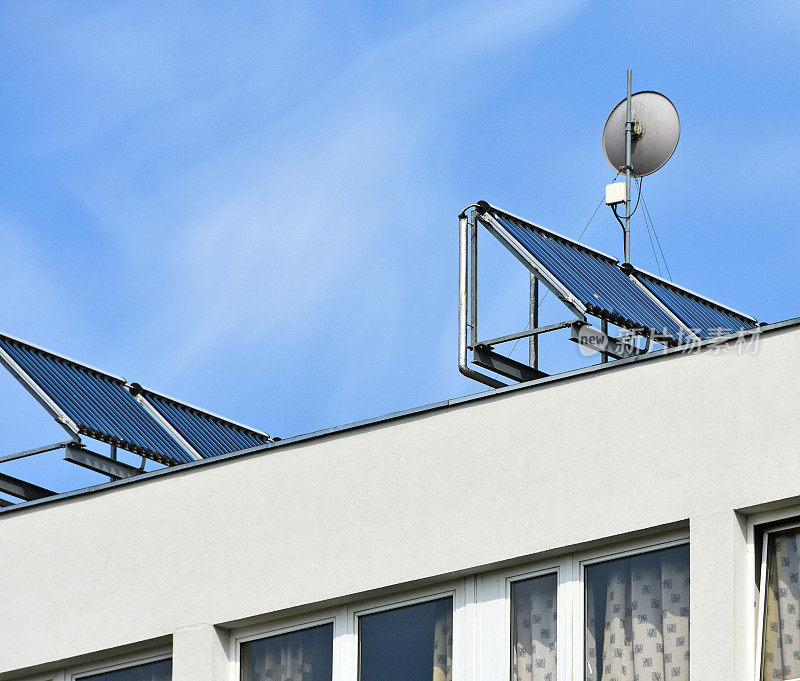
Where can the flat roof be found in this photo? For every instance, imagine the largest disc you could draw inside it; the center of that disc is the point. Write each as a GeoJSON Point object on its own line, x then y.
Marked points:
{"type": "Point", "coordinates": [686, 349]}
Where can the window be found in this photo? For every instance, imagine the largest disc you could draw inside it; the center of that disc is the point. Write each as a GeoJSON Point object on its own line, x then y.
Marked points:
{"type": "Point", "coordinates": [534, 628]}
{"type": "Point", "coordinates": [619, 613]}
{"type": "Point", "coordinates": [411, 643]}
{"type": "Point", "coordinates": [160, 670]}
{"type": "Point", "coordinates": [779, 621]}
{"type": "Point", "coordinates": [305, 655]}
{"type": "Point", "coordinates": [419, 634]}
{"type": "Point", "coordinates": [637, 617]}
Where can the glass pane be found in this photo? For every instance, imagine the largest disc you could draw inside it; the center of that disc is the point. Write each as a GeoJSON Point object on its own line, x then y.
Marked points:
{"type": "Point", "coordinates": [533, 629]}
{"type": "Point", "coordinates": [781, 654]}
{"type": "Point", "coordinates": [305, 655]}
{"type": "Point", "coordinates": [637, 617]}
{"type": "Point", "coordinates": [152, 671]}
{"type": "Point", "coordinates": [414, 643]}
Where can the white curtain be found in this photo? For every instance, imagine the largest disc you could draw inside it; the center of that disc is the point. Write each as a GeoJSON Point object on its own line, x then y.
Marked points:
{"type": "Point", "coordinates": [534, 630]}
{"type": "Point", "coordinates": [443, 641]}
{"type": "Point", "coordinates": [639, 629]}
{"type": "Point", "coordinates": [782, 616]}
{"type": "Point", "coordinates": [285, 658]}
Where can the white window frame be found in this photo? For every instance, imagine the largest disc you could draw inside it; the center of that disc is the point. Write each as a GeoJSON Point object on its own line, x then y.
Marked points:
{"type": "Point", "coordinates": [454, 590]}
{"type": "Point", "coordinates": [116, 663]}
{"type": "Point", "coordinates": [285, 626]}
{"type": "Point", "coordinates": [345, 627]}
{"type": "Point", "coordinates": [582, 560]}
{"type": "Point", "coordinates": [481, 614]}
{"type": "Point", "coordinates": [494, 598]}
{"type": "Point", "coordinates": [107, 664]}
{"type": "Point", "coordinates": [756, 564]}
{"type": "Point", "coordinates": [493, 642]}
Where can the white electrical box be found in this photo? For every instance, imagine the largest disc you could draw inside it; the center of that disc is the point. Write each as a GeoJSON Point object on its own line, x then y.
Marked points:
{"type": "Point", "coordinates": [615, 193]}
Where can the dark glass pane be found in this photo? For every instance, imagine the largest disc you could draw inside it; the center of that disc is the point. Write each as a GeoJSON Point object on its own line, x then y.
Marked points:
{"type": "Point", "coordinates": [305, 655]}
{"type": "Point", "coordinates": [637, 617]}
{"type": "Point", "coordinates": [780, 658]}
{"type": "Point", "coordinates": [152, 671]}
{"type": "Point", "coordinates": [533, 629]}
{"type": "Point", "coordinates": [413, 643]}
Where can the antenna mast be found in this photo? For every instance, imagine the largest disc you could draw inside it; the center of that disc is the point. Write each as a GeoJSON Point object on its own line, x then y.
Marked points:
{"type": "Point", "coordinates": [628, 135]}
{"type": "Point", "coordinates": [654, 128]}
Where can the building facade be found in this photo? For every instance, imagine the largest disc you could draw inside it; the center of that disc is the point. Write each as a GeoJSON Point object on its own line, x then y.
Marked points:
{"type": "Point", "coordinates": [629, 521]}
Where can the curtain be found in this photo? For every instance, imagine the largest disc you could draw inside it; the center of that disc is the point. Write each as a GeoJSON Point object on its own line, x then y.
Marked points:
{"type": "Point", "coordinates": [443, 641]}
{"type": "Point", "coordinates": [637, 618]}
{"type": "Point", "coordinates": [534, 629]}
{"type": "Point", "coordinates": [782, 614]}
{"type": "Point", "coordinates": [289, 657]}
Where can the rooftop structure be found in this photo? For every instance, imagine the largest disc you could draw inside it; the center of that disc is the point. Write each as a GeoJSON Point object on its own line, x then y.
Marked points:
{"type": "Point", "coordinates": [479, 508]}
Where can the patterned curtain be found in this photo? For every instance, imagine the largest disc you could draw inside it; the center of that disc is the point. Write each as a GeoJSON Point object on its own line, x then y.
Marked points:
{"type": "Point", "coordinates": [637, 618]}
{"type": "Point", "coordinates": [781, 658]}
{"type": "Point", "coordinates": [534, 629]}
{"type": "Point", "coordinates": [286, 663]}
{"type": "Point", "coordinates": [287, 657]}
{"type": "Point", "coordinates": [443, 641]}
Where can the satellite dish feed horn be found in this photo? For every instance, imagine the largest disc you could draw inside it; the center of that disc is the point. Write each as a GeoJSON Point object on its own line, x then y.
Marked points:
{"type": "Point", "coordinates": [639, 137]}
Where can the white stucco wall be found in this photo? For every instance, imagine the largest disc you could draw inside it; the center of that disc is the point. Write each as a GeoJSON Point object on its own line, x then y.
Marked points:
{"type": "Point", "coordinates": [674, 439]}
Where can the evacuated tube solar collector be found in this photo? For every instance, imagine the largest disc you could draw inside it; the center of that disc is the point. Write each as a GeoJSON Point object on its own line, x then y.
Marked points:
{"type": "Point", "coordinates": [639, 137]}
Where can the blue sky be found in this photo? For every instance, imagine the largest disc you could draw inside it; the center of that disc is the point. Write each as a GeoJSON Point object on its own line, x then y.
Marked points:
{"type": "Point", "coordinates": [253, 206]}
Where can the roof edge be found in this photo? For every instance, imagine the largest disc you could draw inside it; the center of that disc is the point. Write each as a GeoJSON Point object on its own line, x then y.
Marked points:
{"type": "Point", "coordinates": [435, 406]}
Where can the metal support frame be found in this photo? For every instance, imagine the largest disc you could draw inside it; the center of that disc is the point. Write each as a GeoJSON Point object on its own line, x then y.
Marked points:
{"type": "Point", "coordinates": [21, 489]}
{"type": "Point", "coordinates": [464, 302]}
{"type": "Point", "coordinates": [528, 333]}
{"type": "Point", "coordinates": [604, 329]}
{"type": "Point", "coordinates": [484, 357]}
{"type": "Point", "coordinates": [114, 469]}
{"type": "Point", "coordinates": [468, 339]}
{"type": "Point", "coordinates": [533, 322]}
{"type": "Point", "coordinates": [32, 452]}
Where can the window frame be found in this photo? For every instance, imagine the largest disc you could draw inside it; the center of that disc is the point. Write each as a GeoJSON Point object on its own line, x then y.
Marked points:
{"type": "Point", "coordinates": [284, 625]}
{"type": "Point", "coordinates": [345, 626]}
{"type": "Point", "coordinates": [613, 552]}
{"type": "Point", "coordinates": [761, 526]}
{"type": "Point", "coordinates": [481, 613]}
{"type": "Point", "coordinates": [114, 664]}
{"type": "Point", "coordinates": [455, 590]}
{"type": "Point", "coordinates": [493, 643]}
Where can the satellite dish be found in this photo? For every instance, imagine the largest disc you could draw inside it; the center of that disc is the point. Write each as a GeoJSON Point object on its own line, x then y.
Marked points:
{"type": "Point", "coordinates": [656, 129]}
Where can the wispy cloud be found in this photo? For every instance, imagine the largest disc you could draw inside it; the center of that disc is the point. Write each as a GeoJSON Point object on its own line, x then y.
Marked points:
{"type": "Point", "coordinates": [287, 220]}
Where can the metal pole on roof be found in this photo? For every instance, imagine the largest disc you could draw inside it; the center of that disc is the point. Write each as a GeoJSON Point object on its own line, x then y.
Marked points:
{"type": "Point", "coordinates": [463, 305]}
{"type": "Point", "coordinates": [473, 277]}
{"type": "Point", "coordinates": [533, 342]}
{"type": "Point", "coordinates": [628, 135]}
{"type": "Point", "coordinates": [604, 329]}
